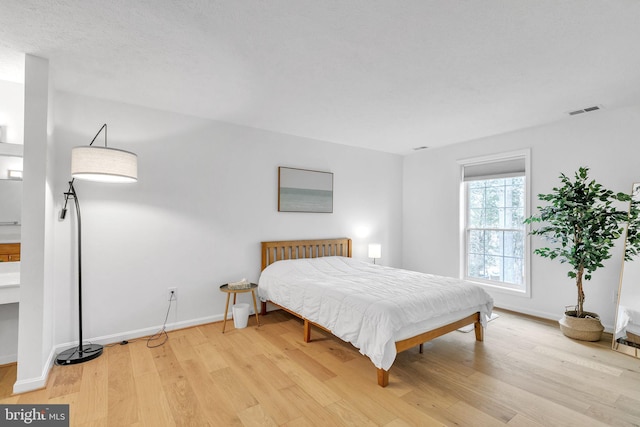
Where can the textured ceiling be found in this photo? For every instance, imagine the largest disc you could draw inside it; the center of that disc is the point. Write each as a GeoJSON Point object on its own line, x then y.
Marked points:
{"type": "Point", "coordinates": [387, 75]}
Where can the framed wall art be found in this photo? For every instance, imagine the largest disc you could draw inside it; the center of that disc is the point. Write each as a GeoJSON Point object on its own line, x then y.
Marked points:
{"type": "Point", "coordinates": [302, 190]}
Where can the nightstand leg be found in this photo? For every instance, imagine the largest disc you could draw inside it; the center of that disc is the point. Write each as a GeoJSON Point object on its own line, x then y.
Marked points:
{"type": "Point", "coordinates": [255, 307]}
{"type": "Point", "coordinates": [226, 309]}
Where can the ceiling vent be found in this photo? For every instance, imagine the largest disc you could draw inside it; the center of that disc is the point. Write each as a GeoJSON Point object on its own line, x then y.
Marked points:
{"type": "Point", "coordinates": [585, 110]}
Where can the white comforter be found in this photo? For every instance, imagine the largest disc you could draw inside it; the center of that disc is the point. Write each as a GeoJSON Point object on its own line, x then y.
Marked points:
{"type": "Point", "coordinates": [367, 304]}
{"type": "Point", "coordinates": [628, 320]}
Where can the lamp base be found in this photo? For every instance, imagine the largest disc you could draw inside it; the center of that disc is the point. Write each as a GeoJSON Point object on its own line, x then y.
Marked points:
{"type": "Point", "coordinates": [73, 355]}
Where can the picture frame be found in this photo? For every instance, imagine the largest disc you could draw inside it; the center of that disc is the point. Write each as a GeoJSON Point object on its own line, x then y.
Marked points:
{"type": "Point", "coordinates": [304, 190]}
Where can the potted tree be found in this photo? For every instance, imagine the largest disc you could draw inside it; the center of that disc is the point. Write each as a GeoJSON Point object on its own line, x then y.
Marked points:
{"type": "Point", "coordinates": [583, 221]}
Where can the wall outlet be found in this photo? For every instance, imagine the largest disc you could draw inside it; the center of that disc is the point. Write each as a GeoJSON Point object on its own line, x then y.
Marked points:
{"type": "Point", "coordinates": [172, 294]}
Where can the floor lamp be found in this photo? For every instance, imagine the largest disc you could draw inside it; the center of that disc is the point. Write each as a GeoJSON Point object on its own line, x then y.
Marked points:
{"type": "Point", "coordinates": [93, 163]}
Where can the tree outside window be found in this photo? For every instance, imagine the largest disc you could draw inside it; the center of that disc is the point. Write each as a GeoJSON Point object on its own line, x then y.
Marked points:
{"type": "Point", "coordinates": [495, 232]}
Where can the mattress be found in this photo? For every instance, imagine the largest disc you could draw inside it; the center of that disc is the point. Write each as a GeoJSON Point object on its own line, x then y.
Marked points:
{"type": "Point", "coordinates": [368, 305]}
{"type": "Point", "coordinates": [628, 321]}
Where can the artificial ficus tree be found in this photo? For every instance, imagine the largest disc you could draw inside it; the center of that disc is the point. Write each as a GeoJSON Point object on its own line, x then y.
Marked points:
{"type": "Point", "coordinates": [583, 220]}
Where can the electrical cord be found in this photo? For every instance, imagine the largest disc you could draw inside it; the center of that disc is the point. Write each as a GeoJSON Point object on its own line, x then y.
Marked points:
{"type": "Point", "coordinates": [123, 342]}
{"type": "Point", "coordinates": [162, 333]}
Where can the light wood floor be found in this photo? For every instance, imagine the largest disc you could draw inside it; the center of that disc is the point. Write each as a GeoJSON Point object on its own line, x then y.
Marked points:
{"type": "Point", "coordinates": [525, 373]}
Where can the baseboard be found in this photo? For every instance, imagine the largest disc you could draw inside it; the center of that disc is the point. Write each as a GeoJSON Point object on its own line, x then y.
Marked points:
{"type": "Point", "coordinates": [144, 332]}
{"type": "Point", "coordinates": [533, 313]}
{"type": "Point", "coordinates": [544, 315]}
{"type": "Point", "coordinates": [31, 384]}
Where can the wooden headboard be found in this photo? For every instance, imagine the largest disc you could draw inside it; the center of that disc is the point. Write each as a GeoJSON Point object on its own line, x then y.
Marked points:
{"type": "Point", "coordinates": [294, 249]}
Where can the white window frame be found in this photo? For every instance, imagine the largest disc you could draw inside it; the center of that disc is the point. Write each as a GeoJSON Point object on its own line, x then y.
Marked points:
{"type": "Point", "coordinates": [500, 157]}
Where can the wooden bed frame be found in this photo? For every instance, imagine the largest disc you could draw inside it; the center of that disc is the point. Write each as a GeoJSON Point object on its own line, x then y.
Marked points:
{"type": "Point", "coordinates": [295, 249]}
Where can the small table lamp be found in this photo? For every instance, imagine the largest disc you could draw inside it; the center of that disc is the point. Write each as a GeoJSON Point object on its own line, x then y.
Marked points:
{"type": "Point", "coordinates": [375, 251]}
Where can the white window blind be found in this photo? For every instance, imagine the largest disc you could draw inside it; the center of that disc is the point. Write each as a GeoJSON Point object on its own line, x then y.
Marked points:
{"type": "Point", "coordinates": [496, 169]}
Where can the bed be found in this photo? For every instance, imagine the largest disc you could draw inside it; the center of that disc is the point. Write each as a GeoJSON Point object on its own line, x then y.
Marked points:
{"type": "Point", "coordinates": [628, 325]}
{"type": "Point", "coordinates": [380, 310]}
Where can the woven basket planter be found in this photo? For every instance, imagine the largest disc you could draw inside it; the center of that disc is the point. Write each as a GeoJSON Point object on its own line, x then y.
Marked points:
{"type": "Point", "coordinates": [581, 328]}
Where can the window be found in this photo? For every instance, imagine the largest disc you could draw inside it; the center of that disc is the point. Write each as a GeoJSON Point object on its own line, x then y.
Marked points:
{"type": "Point", "coordinates": [494, 207]}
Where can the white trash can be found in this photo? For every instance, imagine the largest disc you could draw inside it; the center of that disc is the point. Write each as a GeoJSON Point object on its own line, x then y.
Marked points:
{"type": "Point", "coordinates": [240, 315]}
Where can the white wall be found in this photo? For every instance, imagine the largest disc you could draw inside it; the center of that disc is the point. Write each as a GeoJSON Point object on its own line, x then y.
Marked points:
{"type": "Point", "coordinates": [12, 111]}
{"type": "Point", "coordinates": [206, 197]}
{"type": "Point", "coordinates": [605, 141]}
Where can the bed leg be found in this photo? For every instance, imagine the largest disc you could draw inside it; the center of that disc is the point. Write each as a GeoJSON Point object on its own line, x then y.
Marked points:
{"type": "Point", "coordinates": [421, 348]}
{"type": "Point", "coordinates": [263, 308]}
{"type": "Point", "coordinates": [479, 331]}
{"type": "Point", "coordinates": [383, 377]}
{"type": "Point", "coordinates": [307, 331]}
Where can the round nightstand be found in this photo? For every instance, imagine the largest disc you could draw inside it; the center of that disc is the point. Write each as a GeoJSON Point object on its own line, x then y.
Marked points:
{"type": "Point", "coordinates": [235, 292]}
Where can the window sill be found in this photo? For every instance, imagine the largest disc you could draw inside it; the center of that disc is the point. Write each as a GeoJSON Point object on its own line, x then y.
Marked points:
{"type": "Point", "coordinates": [524, 293]}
